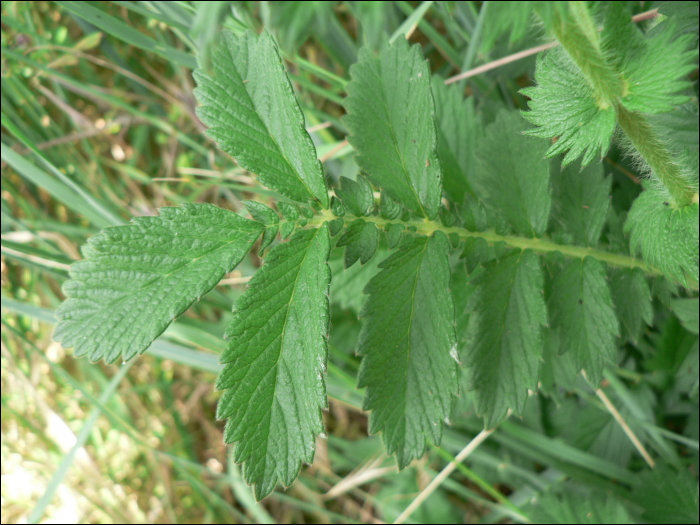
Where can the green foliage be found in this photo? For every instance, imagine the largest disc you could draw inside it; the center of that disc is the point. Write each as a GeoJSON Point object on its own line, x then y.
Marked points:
{"type": "Point", "coordinates": [504, 336]}
{"type": "Point", "coordinates": [409, 347]}
{"type": "Point", "coordinates": [667, 496]}
{"type": "Point", "coordinates": [544, 285]}
{"type": "Point", "coordinates": [459, 129]}
{"type": "Point", "coordinates": [566, 110]}
{"type": "Point", "coordinates": [632, 299]}
{"type": "Point", "coordinates": [575, 508]}
{"type": "Point", "coordinates": [272, 379]}
{"type": "Point", "coordinates": [361, 239]}
{"type": "Point", "coordinates": [136, 279]}
{"type": "Point", "coordinates": [582, 309]}
{"type": "Point", "coordinates": [667, 237]}
{"type": "Point", "coordinates": [582, 203]}
{"type": "Point", "coordinates": [517, 184]}
{"type": "Point", "coordinates": [249, 106]}
{"type": "Point", "coordinates": [396, 147]}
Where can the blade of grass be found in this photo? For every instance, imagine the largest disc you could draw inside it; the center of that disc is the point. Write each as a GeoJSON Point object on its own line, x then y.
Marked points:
{"type": "Point", "coordinates": [440, 42]}
{"type": "Point", "coordinates": [244, 493]}
{"type": "Point", "coordinates": [82, 438]}
{"type": "Point", "coordinates": [126, 33]}
{"type": "Point", "coordinates": [478, 480]}
{"type": "Point", "coordinates": [410, 24]}
{"type": "Point", "coordinates": [57, 189]}
{"type": "Point", "coordinates": [437, 480]}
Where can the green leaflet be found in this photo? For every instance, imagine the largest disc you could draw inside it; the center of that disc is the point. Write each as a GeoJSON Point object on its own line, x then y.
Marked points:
{"type": "Point", "coordinates": [515, 184]}
{"type": "Point", "coordinates": [687, 311]}
{"type": "Point", "coordinates": [654, 67]}
{"type": "Point", "coordinates": [582, 202]}
{"type": "Point", "coordinates": [566, 110]}
{"type": "Point", "coordinates": [355, 196]}
{"type": "Point", "coordinates": [272, 379]}
{"type": "Point", "coordinates": [137, 278]}
{"type": "Point", "coordinates": [667, 496]}
{"type": "Point", "coordinates": [361, 239]}
{"type": "Point", "coordinates": [409, 347]}
{"type": "Point", "coordinates": [574, 508]}
{"type": "Point", "coordinates": [666, 237]}
{"type": "Point", "coordinates": [391, 122]}
{"type": "Point", "coordinates": [249, 105]}
{"type": "Point", "coordinates": [582, 308]}
{"type": "Point", "coordinates": [504, 335]}
{"type": "Point", "coordinates": [459, 129]}
{"type": "Point", "coordinates": [632, 299]}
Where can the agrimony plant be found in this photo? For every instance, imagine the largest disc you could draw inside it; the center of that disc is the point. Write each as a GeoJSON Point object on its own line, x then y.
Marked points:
{"type": "Point", "coordinates": [538, 305]}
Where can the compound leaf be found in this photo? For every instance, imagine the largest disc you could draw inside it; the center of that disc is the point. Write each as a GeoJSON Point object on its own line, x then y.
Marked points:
{"type": "Point", "coordinates": [390, 116]}
{"type": "Point", "coordinates": [582, 308]}
{"type": "Point", "coordinates": [249, 105]}
{"type": "Point", "coordinates": [511, 177]}
{"type": "Point", "coordinates": [409, 347]}
{"type": "Point", "coordinates": [566, 110]}
{"type": "Point", "coordinates": [504, 334]}
{"type": "Point", "coordinates": [272, 379]}
{"type": "Point", "coordinates": [666, 237]}
{"type": "Point", "coordinates": [137, 278]}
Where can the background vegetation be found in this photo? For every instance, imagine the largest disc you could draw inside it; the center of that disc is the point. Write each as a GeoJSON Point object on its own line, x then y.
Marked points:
{"type": "Point", "coordinates": [98, 125]}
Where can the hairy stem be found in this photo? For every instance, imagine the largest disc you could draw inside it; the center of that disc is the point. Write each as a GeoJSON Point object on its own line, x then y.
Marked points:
{"type": "Point", "coordinates": [655, 153]}
{"type": "Point", "coordinates": [576, 32]}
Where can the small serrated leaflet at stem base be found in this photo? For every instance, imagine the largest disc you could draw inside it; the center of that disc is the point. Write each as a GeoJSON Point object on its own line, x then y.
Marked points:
{"type": "Point", "coordinates": [408, 347]}
{"type": "Point", "coordinates": [273, 366]}
{"type": "Point", "coordinates": [137, 278]}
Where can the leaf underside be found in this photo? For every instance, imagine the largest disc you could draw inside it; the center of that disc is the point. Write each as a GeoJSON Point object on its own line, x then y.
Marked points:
{"type": "Point", "coordinates": [249, 105]}
{"type": "Point", "coordinates": [459, 129]}
{"type": "Point", "coordinates": [272, 379]}
{"type": "Point", "coordinates": [409, 347]}
{"type": "Point", "coordinates": [515, 184]}
{"type": "Point", "coordinates": [582, 309]}
{"type": "Point", "coordinates": [504, 334]}
{"type": "Point", "coordinates": [565, 109]}
{"type": "Point", "coordinates": [390, 116]}
{"type": "Point", "coordinates": [137, 278]}
{"type": "Point", "coordinates": [666, 237]}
